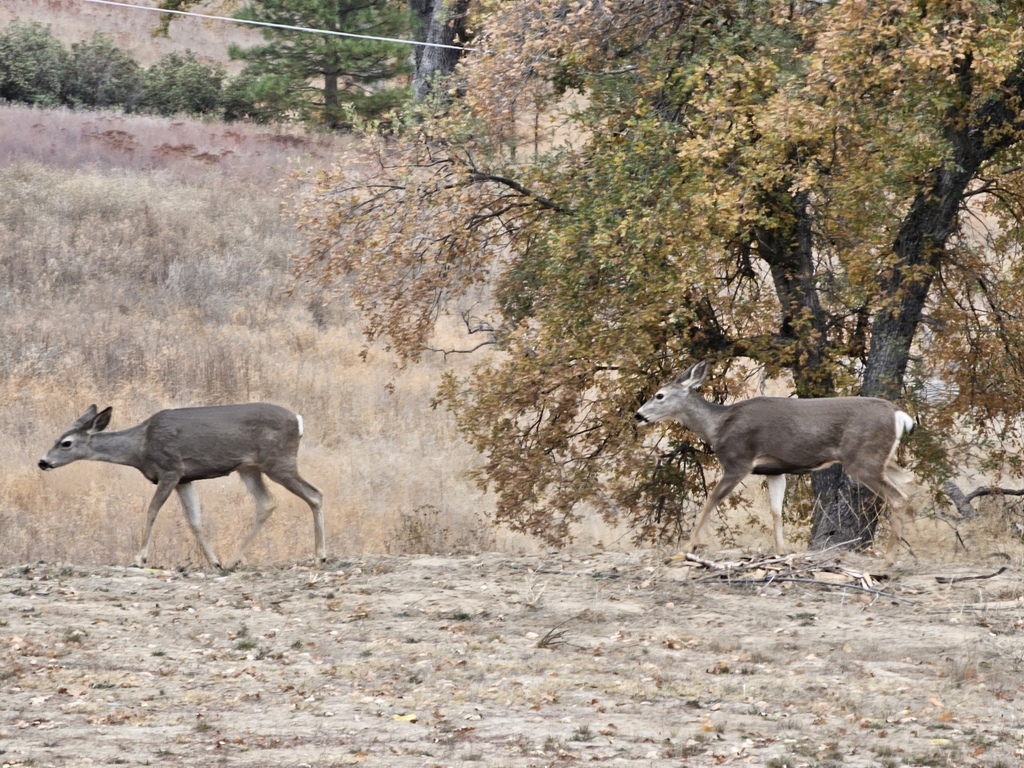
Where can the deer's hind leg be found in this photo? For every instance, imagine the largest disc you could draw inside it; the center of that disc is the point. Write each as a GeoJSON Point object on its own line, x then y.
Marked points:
{"type": "Point", "coordinates": [265, 506]}
{"type": "Point", "coordinates": [309, 493]}
{"type": "Point", "coordinates": [902, 484]}
{"type": "Point", "coordinates": [889, 483]}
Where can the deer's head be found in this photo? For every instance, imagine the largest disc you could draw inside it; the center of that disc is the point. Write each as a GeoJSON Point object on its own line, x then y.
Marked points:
{"type": "Point", "coordinates": [74, 444]}
{"type": "Point", "coordinates": [669, 402]}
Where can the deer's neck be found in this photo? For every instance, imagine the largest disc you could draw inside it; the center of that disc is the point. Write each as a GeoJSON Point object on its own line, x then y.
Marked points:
{"type": "Point", "coordinates": [126, 447]}
{"type": "Point", "coordinates": [703, 418]}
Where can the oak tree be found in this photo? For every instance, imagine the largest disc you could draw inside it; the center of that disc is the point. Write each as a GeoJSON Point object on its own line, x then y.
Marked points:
{"type": "Point", "coordinates": [821, 193]}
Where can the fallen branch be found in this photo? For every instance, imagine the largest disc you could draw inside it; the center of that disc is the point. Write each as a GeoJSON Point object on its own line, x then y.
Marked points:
{"type": "Point", "coordinates": [820, 583]}
{"type": "Point", "coordinates": [958, 579]}
{"type": "Point", "coordinates": [962, 501]}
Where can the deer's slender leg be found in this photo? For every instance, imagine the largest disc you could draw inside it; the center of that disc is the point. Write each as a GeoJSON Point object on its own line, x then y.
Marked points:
{"type": "Point", "coordinates": [163, 491]}
{"type": "Point", "coordinates": [725, 486]}
{"type": "Point", "coordinates": [190, 504]}
{"type": "Point", "coordinates": [776, 494]}
{"type": "Point", "coordinates": [310, 494]}
{"type": "Point", "coordinates": [895, 497]}
{"type": "Point", "coordinates": [265, 505]}
{"type": "Point", "coordinates": [903, 482]}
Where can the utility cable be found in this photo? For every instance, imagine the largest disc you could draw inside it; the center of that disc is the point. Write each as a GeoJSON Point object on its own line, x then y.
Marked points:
{"type": "Point", "coordinates": [278, 26]}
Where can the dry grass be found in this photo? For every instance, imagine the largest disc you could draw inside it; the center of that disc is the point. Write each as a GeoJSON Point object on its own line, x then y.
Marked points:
{"type": "Point", "coordinates": [145, 279]}
{"type": "Point", "coordinates": [72, 21]}
{"type": "Point", "coordinates": [190, 150]}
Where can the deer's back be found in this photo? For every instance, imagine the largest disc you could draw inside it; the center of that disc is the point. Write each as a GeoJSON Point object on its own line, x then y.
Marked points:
{"type": "Point", "coordinates": [833, 409]}
{"type": "Point", "coordinates": [216, 440]}
{"type": "Point", "coordinates": [803, 434]}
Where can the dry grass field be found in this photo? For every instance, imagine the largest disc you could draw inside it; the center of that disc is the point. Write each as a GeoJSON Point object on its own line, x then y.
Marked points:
{"type": "Point", "coordinates": [143, 265]}
{"type": "Point", "coordinates": [73, 21]}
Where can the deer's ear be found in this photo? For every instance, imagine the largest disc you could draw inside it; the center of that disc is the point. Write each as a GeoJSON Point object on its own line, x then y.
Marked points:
{"type": "Point", "coordinates": [693, 376]}
{"type": "Point", "coordinates": [86, 418]}
{"type": "Point", "coordinates": [102, 420]}
{"type": "Point", "coordinates": [698, 373]}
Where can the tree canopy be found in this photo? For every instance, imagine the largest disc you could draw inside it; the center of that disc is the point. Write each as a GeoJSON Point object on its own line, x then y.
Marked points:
{"type": "Point", "coordinates": [826, 193]}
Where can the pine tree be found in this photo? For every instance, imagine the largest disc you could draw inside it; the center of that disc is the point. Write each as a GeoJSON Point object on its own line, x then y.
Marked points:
{"type": "Point", "coordinates": [321, 76]}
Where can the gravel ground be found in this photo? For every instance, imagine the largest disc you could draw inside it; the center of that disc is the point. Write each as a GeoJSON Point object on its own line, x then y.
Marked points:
{"type": "Point", "coordinates": [498, 660]}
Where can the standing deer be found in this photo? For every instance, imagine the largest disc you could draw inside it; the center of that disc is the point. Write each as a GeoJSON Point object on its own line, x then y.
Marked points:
{"type": "Point", "coordinates": [174, 448]}
{"type": "Point", "coordinates": [778, 436]}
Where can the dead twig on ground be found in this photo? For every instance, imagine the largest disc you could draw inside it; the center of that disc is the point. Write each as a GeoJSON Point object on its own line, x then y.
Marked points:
{"type": "Point", "coordinates": [556, 635]}
{"type": "Point", "coordinates": [807, 568]}
{"type": "Point", "coordinates": [958, 579]}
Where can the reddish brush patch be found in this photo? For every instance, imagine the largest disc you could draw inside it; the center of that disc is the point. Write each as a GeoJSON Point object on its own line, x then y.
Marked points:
{"type": "Point", "coordinates": [287, 140]}
{"type": "Point", "coordinates": [122, 141]}
{"type": "Point", "coordinates": [175, 149]}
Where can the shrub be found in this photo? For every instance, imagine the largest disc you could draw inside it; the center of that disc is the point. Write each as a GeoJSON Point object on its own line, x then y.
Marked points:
{"type": "Point", "coordinates": [102, 75]}
{"type": "Point", "coordinates": [260, 99]}
{"type": "Point", "coordinates": [33, 64]}
{"type": "Point", "coordinates": [181, 84]}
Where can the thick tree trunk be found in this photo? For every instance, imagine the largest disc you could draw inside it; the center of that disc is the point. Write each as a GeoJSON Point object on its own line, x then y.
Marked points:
{"type": "Point", "coordinates": [804, 325]}
{"type": "Point", "coordinates": [440, 22]}
{"type": "Point", "coordinates": [845, 512]}
{"type": "Point", "coordinates": [332, 109]}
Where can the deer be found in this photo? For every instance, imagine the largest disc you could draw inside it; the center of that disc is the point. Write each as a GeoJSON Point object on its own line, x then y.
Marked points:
{"type": "Point", "coordinates": [174, 448]}
{"type": "Point", "coordinates": [779, 436]}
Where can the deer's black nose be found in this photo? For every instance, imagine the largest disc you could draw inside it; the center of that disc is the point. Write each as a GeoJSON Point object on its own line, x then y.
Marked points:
{"type": "Point", "coordinates": [641, 418]}
{"type": "Point", "coordinates": [43, 464]}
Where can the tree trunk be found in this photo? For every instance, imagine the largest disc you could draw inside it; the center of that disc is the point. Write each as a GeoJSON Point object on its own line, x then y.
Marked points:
{"type": "Point", "coordinates": [804, 326]}
{"type": "Point", "coordinates": [441, 23]}
{"type": "Point", "coordinates": [332, 109]}
{"type": "Point", "coordinates": [845, 512]}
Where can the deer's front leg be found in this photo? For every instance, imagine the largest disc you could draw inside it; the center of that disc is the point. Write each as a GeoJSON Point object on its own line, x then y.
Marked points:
{"type": "Point", "coordinates": [725, 486]}
{"type": "Point", "coordinates": [163, 490]}
{"type": "Point", "coordinates": [190, 505]}
{"type": "Point", "coordinates": [776, 494]}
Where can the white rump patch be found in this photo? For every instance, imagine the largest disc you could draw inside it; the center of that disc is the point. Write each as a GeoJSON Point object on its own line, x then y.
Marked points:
{"type": "Point", "coordinates": [904, 423]}
{"type": "Point", "coordinates": [299, 419]}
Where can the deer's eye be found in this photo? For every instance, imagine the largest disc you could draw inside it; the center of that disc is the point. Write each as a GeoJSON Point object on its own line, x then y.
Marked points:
{"type": "Point", "coordinates": [66, 443]}
{"type": "Point", "coordinates": [660, 396]}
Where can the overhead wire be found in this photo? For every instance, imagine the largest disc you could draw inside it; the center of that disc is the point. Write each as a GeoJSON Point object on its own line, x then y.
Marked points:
{"type": "Point", "coordinates": [279, 26]}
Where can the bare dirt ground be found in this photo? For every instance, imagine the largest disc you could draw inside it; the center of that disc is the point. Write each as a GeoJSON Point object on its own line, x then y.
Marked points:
{"type": "Point", "coordinates": [508, 661]}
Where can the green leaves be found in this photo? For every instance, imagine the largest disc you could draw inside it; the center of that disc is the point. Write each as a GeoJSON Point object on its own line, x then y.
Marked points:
{"type": "Point", "coordinates": [33, 64]}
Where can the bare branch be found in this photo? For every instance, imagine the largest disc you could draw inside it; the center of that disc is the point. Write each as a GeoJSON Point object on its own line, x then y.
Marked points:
{"type": "Point", "coordinates": [962, 501]}
{"type": "Point", "coordinates": [544, 201]}
{"type": "Point", "coordinates": [469, 351]}
{"type": "Point", "coordinates": [987, 490]}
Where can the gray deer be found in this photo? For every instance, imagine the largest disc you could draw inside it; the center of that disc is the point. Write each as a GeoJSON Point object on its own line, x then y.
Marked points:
{"type": "Point", "coordinates": [779, 436]}
{"type": "Point", "coordinates": [174, 448]}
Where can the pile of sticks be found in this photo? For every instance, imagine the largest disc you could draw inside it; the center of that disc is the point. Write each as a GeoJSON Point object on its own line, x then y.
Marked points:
{"type": "Point", "coordinates": [812, 568]}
